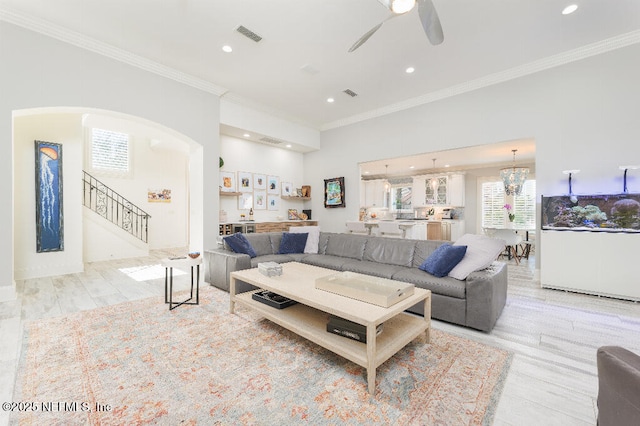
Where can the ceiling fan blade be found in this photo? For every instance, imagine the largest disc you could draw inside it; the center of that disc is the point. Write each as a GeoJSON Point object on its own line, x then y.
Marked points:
{"type": "Point", "coordinates": [365, 37]}
{"type": "Point", "coordinates": [430, 21]}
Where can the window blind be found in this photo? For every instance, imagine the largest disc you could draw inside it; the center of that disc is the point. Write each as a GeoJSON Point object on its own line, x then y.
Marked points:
{"type": "Point", "coordinates": [109, 150]}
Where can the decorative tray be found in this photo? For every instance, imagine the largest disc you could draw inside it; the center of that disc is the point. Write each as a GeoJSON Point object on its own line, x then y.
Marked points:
{"type": "Point", "coordinates": [375, 290]}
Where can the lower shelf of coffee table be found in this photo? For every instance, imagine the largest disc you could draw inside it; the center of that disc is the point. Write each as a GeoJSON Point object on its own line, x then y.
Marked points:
{"type": "Point", "coordinates": [311, 324]}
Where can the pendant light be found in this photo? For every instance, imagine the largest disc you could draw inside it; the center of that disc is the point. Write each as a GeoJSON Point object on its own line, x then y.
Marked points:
{"type": "Point", "coordinates": [434, 181]}
{"type": "Point", "coordinates": [514, 177]}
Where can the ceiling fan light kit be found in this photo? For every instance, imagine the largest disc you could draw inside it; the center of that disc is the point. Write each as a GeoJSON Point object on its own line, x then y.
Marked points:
{"type": "Point", "coordinates": [402, 6]}
{"type": "Point", "coordinates": [428, 18]}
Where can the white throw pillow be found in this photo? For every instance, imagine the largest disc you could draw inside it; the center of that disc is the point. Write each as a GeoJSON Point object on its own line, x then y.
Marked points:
{"type": "Point", "coordinates": [312, 240]}
{"type": "Point", "coordinates": [481, 252]}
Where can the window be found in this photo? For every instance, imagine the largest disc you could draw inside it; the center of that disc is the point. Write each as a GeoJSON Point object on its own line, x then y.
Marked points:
{"type": "Point", "coordinates": [494, 199]}
{"type": "Point", "coordinates": [109, 151]}
{"type": "Point", "coordinates": [401, 198]}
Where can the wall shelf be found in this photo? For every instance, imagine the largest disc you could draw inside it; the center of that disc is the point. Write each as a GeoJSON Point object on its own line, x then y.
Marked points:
{"type": "Point", "coordinates": [289, 197]}
{"type": "Point", "coordinates": [229, 194]}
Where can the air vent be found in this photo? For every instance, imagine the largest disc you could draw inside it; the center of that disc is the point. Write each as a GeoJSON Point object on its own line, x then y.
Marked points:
{"type": "Point", "coordinates": [272, 141]}
{"type": "Point", "coordinates": [350, 93]}
{"type": "Point", "coordinates": [248, 33]}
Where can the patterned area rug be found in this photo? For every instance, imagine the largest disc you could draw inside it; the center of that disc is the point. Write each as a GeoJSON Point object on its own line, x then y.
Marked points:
{"type": "Point", "coordinates": [138, 363]}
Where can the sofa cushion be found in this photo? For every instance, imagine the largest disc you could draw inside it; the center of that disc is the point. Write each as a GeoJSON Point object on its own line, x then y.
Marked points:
{"type": "Point", "coordinates": [445, 286]}
{"type": "Point", "coordinates": [346, 245]}
{"type": "Point", "coordinates": [239, 244]}
{"type": "Point", "coordinates": [314, 237]}
{"type": "Point", "coordinates": [325, 261]}
{"type": "Point", "coordinates": [443, 259]}
{"type": "Point", "coordinates": [376, 269]}
{"type": "Point", "coordinates": [322, 242]}
{"type": "Point", "coordinates": [390, 251]}
{"type": "Point", "coordinates": [423, 250]}
{"type": "Point", "coordinates": [261, 243]}
{"type": "Point", "coordinates": [481, 252]}
{"type": "Point", "coordinates": [292, 243]}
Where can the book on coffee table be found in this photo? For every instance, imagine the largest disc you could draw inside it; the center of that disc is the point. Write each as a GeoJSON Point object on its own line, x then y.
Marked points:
{"type": "Point", "coordinates": [352, 330]}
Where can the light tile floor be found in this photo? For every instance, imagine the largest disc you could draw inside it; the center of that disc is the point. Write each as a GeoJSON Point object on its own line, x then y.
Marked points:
{"type": "Point", "coordinates": [553, 334]}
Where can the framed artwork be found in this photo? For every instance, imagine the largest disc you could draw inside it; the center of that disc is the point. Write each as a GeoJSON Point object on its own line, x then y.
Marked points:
{"type": "Point", "coordinates": [287, 189]}
{"type": "Point", "coordinates": [273, 202]}
{"type": "Point", "coordinates": [273, 184]}
{"type": "Point", "coordinates": [259, 200]}
{"type": "Point", "coordinates": [227, 181]}
{"type": "Point", "coordinates": [334, 192]}
{"type": "Point", "coordinates": [245, 181]}
{"type": "Point", "coordinates": [49, 217]}
{"type": "Point", "coordinates": [292, 214]}
{"type": "Point", "coordinates": [159, 195]}
{"type": "Point", "coordinates": [259, 181]}
{"type": "Point", "coordinates": [245, 201]}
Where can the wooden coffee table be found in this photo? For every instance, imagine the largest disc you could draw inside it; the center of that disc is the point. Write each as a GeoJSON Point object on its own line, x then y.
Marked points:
{"type": "Point", "coordinates": [309, 317]}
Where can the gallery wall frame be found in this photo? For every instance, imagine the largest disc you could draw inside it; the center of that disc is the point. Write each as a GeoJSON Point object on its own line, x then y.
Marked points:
{"type": "Point", "coordinates": [49, 191]}
{"type": "Point", "coordinates": [227, 181]}
{"type": "Point", "coordinates": [245, 182]}
{"type": "Point", "coordinates": [334, 192]}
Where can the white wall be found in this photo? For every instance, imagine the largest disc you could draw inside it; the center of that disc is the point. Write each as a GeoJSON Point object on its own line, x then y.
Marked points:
{"type": "Point", "coordinates": [245, 156]}
{"type": "Point", "coordinates": [38, 71]}
{"type": "Point", "coordinates": [65, 129]}
{"type": "Point", "coordinates": [583, 115]}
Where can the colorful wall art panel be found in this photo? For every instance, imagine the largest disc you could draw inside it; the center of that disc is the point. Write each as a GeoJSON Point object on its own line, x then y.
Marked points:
{"type": "Point", "coordinates": [49, 217]}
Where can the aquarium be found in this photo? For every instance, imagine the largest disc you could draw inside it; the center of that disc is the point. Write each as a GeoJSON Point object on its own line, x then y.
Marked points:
{"type": "Point", "coordinates": [597, 213]}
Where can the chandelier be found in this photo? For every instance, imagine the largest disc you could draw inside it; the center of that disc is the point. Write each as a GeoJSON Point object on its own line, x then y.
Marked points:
{"type": "Point", "coordinates": [514, 177]}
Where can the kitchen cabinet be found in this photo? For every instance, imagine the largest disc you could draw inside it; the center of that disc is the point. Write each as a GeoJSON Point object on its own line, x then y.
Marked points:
{"type": "Point", "coordinates": [456, 229]}
{"type": "Point", "coordinates": [455, 190]}
{"type": "Point", "coordinates": [434, 230]}
{"type": "Point", "coordinates": [446, 190]}
{"type": "Point", "coordinates": [375, 193]}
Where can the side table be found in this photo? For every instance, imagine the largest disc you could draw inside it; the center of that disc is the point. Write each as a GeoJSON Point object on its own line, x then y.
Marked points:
{"type": "Point", "coordinates": [181, 263]}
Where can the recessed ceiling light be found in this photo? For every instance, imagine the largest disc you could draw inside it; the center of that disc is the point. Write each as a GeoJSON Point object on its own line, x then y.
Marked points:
{"type": "Point", "coordinates": [447, 165]}
{"type": "Point", "coordinates": [330, 100]}
{"type": "Point", "coordinates": [412, 167]}
{"type": "Point", "coordinates": [247, 135]}
{"type": "Point", "coordinates": [227, 48]}
{"type": "Point", "coordinates": [570, 9]}
{"type": "Point", "coordinates": [288, 145]}
{"type": "Point", "coordinates": [410, 70]}
{"type": "Point", "coordinates": [366, 173]}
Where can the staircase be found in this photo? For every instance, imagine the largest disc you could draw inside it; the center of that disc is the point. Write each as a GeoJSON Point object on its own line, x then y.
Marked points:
{"type": "Point", "coordinates": [115, 208]}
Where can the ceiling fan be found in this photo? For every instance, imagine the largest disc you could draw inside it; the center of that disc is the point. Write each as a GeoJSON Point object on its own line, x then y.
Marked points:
{"type": "Point", "coordinates": [426, 11]}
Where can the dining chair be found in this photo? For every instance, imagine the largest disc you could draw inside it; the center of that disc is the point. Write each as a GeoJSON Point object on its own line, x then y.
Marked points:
{"type": "Point", "coordinates": [511, 241]}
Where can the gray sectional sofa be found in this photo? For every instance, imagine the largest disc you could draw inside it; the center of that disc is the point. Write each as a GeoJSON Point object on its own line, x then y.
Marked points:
{"type": "Point", "coordinates": [475, 302]}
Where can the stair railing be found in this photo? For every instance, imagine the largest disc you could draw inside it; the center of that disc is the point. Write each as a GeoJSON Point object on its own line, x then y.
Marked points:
{"type": "Point", "coordinates": [115, 208]}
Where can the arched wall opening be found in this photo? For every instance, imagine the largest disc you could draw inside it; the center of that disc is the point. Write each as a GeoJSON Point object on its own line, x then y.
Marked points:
{"type": "Point", "coordinates": [161, 159]}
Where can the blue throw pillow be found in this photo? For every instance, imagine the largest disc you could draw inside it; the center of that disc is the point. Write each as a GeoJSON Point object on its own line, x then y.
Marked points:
{"type": "Point", "coordinates": [239, 244]}
{"type": "Point", "coordinates": [293, 243]}
{"type": "Point", "coordinates": [443, 260]}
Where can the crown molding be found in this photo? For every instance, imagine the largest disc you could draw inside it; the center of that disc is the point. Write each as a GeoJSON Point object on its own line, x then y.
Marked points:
{"type": "Point", "coordinates": [79, 40]}
{"type": "Point", "coordinates": [84, 42]}
{"type": "Point", "coordinates": [574, 55]}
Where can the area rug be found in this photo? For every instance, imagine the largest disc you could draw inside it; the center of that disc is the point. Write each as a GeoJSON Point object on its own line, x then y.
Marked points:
{"type": "Point", "coordinates": [139, 363]}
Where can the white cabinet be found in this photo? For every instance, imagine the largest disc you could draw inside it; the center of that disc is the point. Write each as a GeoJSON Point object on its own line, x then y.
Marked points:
{"type": "Point", "coordinates": [455, 190]}
{"type": "Point", "coordinates": [445, 190]}
{"type": "Point", "coordinates": [457, 229]}
{"type": "Point", "coordinates": [418, 191]}
{"type": "Point", "coordinates": [375, 193]}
